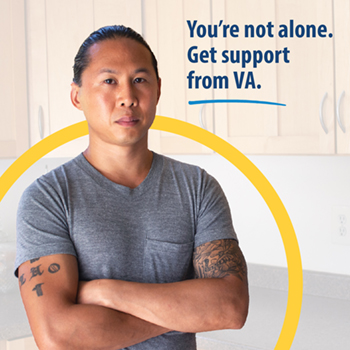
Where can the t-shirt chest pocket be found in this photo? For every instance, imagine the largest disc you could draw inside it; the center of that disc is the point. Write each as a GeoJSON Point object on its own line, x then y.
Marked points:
{"type": "Point", "coordinates": [166, 262]}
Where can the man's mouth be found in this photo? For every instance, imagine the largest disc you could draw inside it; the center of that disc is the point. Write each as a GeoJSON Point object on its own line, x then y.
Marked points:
{"type": "Point", "coordinates": [127, 121]}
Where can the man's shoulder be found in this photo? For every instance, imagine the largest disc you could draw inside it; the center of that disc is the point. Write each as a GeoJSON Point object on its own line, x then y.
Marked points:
{"type": "Point", "coordinates": [69, 167]}
{"type": "Point", "coordinates": [55, 180]}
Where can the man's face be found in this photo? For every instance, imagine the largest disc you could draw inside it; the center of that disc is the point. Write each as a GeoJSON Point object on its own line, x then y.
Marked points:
{"type": "Point", "coordinates": [119, 92]}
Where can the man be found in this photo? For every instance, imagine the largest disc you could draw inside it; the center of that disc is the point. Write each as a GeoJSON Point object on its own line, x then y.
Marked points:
{"type": "Point", "coordinates": [150, 239]}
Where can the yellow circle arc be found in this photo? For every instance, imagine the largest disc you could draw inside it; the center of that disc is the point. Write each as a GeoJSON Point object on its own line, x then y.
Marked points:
{"type": "Point", "coordinates": [295, 275]}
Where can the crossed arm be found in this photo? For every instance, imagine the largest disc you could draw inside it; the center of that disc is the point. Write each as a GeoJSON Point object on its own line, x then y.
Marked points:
{"type": "Point", "coordinates": [110, 314]}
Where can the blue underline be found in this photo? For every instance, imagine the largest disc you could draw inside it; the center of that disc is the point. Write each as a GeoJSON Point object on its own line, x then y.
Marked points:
{"type": "Point", "coordinates": [235, 101]}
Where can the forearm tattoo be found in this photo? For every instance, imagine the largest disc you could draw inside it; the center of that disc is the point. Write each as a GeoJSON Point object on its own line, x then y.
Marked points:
{"type": "Point", "coordinates": [218, 259]}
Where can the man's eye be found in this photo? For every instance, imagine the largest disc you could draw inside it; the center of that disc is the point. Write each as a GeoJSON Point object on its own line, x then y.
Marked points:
{"type": "Point", "coordinates": [139, 80]}
{"type": "Point", "coordinates": [109, 81]}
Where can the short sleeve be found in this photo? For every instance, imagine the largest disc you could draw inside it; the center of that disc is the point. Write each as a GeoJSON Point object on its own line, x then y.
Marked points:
{"type": "Point", "coordinates": [42, 227]}
{"type": "Point", "coordinates": [214, 219]}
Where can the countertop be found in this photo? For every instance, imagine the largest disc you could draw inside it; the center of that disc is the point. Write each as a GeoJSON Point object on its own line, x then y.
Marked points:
{"type": "Point", "coordinates": [324, 324]}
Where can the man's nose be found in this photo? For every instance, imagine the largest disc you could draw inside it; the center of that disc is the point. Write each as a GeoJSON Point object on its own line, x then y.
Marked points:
{"type": "Point", "coordinates": [127, 97]}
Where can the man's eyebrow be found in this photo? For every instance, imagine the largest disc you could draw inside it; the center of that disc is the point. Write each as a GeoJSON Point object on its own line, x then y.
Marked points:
{"type": "Point", "coordinates": [142, 70]}
{"type": "Point", "coordinates": [107, 70]}
{"type": "Point", "coordinates": [113, 71]}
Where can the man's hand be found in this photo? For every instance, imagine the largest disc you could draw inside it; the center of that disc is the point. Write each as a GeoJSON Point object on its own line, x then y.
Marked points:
{"type": "Point", "coordinates": [216, 299]}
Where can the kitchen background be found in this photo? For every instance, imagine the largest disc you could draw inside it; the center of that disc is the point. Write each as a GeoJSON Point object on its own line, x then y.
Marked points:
{"type": "Point", "coordinates": [308, 167]}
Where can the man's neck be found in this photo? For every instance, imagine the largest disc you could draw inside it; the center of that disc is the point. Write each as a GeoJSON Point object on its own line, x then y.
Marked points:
{"type": "Point", "coordinates": [122, 165]}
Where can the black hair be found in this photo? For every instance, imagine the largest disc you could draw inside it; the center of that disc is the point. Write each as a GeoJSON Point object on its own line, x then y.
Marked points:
{"type": "Point", "coordinates": [82, 59]}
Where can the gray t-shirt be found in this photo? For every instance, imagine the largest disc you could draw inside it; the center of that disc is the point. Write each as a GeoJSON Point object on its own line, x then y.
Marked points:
{"type": "Point", "coordinates": [146, 234]}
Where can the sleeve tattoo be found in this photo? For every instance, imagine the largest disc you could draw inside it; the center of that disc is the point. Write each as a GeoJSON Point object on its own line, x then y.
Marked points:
{"type": "Point", "coordinates": [218, 259]}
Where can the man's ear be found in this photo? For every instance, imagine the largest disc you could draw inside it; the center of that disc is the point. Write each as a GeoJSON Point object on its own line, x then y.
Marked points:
{"type": "Point", "coordinates": [159, 88]}
{"type": "Point", "coordinates": [74, 95]}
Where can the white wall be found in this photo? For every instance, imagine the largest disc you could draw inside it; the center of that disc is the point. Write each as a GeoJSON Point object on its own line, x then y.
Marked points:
{"type": "Point", "coordinates": [309, 186]}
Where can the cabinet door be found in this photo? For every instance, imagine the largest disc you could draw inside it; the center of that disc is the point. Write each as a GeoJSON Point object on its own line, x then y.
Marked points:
{"type": "Point", "coordinates": [342, 73]}
{"type": "Point", "coordinates": [112, 12]}
{"type": "Point", "coordinates": [306, 84]}
{"type": "Point", "coordinates": [166, 30]}
{"type": "Point", "coordinates": [302, 84]}
{"type": "Point", "coordinates": [13, 83]}
{"type": "Point", "coordinates": [55, 32]}
{"type": "Point", "coordinates": [247, 126]}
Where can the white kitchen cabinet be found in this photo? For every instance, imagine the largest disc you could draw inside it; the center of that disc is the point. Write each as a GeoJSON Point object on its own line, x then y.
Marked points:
{"type": "Point", "coordinates": [301, 84]}
{"type": "Point", "coordinates": [318, 68]}
{"type": "Point", "coordinates": [13, 82]}
{"type": "Point", "coordinates": [342, 72]}
{"type": "Point", "coordinates": [246, 126]}
{"type": "Point", "coordinates": [166, 31]}
{"type": "Point", "coordinates": [53, 38]}
{"type": "Point", "coordinates": [305, 83]}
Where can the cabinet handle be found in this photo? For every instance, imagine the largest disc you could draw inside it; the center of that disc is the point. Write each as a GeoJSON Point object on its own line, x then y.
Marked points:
{"type": "Point", "coordinates": [321, 113]}
{"type": "Point", "coordinates": [338, 112]}
{"type": "Point", "coordinates": [201, 117]}
{"type": "Point", "coordinates": [41, 122]}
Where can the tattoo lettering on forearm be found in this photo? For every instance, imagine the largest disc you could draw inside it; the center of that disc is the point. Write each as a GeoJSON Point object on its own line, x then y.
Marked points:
{"type": "Point", "coordinates": [219, 259]}
{"type": "Point", "coordinates": [38, 289]}
{"type": "Point", "coordinates": [35, 271]}
{"type": "Point", "coordinates": [22, 280]}
{"type": "Point", "coordinates": [53, 268]}
{"type": "Point", "coordinates": [34, 260]}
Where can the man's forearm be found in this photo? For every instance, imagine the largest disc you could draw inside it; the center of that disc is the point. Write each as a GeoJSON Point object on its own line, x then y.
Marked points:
{"type": "Point", "coordinates": [93, 327]}
{"type": "Point", "coordinates": [49, 292]}
{"type": "Point", "coordinates": [188, 306]}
